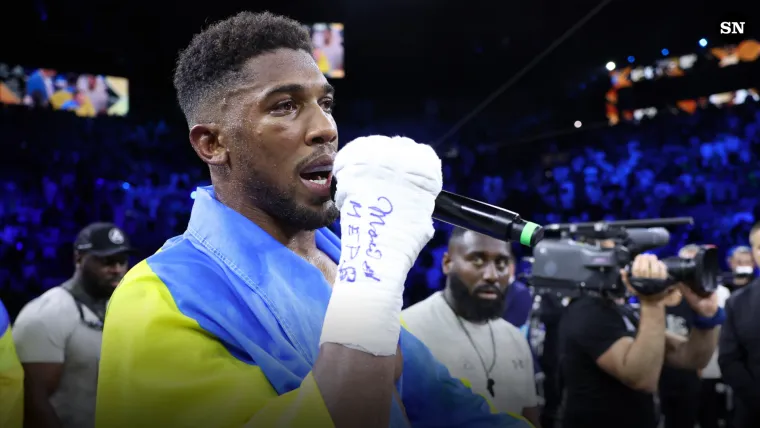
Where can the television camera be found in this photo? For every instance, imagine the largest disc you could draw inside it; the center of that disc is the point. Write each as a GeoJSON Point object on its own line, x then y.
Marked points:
{"type": "Point", "coordinates": [580, 258]}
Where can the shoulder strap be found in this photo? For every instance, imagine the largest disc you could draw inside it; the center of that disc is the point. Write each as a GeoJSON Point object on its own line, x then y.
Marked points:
{"type": "Point", "coordinates": [79, 304]}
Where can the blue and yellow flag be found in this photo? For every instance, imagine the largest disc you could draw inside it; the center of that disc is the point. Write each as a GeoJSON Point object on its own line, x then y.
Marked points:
{"type": "Point", "coordinates": [11, 377]}
{"type": "Point", "coordinates": [221, 327]}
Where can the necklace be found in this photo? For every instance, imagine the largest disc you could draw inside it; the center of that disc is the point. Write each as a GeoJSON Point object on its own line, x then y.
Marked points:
{"type": "Point", "coordinates": [490, 383]}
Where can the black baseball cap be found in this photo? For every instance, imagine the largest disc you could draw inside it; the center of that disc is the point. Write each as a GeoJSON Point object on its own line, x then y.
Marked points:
{"type": "Point", "coordinates": [102, 240]}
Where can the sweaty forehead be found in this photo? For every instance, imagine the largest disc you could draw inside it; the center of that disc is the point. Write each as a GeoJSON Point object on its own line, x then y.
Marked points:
{"type": "Point", "coordinates": [283, 66]}
{"type": "Point", "coordinates": [473, 242]}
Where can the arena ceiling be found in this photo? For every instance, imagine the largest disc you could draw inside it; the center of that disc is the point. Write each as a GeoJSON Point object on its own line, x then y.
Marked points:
{"type": "Point", "coordinates": [396, 50]}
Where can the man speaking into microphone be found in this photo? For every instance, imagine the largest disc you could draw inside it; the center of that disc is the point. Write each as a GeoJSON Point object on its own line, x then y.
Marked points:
{"type": "Point", "coordinates": [258, 315]}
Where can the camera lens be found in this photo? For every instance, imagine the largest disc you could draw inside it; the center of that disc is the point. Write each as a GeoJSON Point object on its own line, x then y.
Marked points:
{"type": "Point", "coordinates": [699, 273]}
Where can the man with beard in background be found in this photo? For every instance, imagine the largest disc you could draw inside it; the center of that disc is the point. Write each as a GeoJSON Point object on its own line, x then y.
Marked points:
{"type": "Point", "coordinates": [58, 335]}
{"type": "Point", "coordinates": [463, 327]}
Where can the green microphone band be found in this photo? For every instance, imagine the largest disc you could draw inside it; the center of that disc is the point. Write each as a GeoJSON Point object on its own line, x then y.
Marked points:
{"type": "Point", "coordinates": [527, 233]}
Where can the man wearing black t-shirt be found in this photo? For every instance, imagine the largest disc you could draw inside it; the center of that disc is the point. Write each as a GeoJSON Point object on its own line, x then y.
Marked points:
{"type": "Point", "coordinates": [679, 388]}
{"type": "Point", "coordinates": [612, 355]}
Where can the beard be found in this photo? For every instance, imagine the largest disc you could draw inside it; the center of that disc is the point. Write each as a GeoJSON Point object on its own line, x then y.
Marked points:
{"type": "Point", "coordinates": [282, 205]}
{"type": "Point", "coordinates": [95, 285]}
{"type": "Point", "coordinates": [471, 307]}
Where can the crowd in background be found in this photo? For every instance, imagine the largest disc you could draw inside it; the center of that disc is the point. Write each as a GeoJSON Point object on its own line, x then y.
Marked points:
{"type": "Point", "coordinates": [60, 172]}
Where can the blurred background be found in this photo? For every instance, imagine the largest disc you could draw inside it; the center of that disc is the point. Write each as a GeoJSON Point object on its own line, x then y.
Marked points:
{"type": "Point", "coordinates": [640, 109]}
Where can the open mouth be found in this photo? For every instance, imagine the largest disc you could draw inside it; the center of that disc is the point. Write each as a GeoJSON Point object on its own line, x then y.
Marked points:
{"type": "Point", "coordinates": [320, 178]}
{"type": "Point", "coordinates": [487, 295]}
{"type": "Point", "coordinates": [317, 177]}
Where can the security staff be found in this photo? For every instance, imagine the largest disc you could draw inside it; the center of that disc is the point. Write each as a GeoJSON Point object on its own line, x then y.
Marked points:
{"type": "Point", "coordinates": [58, 335]}
{"type": "Point", "coordinates": [739, 357]}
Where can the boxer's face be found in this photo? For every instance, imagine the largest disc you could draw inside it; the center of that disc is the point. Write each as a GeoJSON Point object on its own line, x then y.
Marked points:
{"type": "Point", "coordinates": [279, 125]}
{"type": "Point", "coordinates": [479, 270]}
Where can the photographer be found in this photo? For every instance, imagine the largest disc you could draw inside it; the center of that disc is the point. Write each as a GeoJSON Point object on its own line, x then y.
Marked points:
{"type": "Point", "coordinates": [612, 356]}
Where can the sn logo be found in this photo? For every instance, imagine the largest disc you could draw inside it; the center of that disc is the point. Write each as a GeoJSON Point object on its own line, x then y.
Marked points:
{"type": "Point", "coordinates": [732, 28]}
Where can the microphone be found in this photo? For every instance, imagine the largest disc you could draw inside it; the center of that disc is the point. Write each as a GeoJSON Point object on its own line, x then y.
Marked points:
{"type": "Point", "coordinates": [487, 219]}
{"type": "Point", "coordinates": [647, 239]}
{"type": "Point", "coordinates": [480, 217]}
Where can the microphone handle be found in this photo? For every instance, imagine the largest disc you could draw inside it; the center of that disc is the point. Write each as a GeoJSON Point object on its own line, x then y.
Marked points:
{"type": "Point", "coordinates": [487, 219]}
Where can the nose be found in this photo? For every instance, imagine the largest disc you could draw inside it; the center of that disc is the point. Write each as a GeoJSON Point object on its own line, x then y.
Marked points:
{"type": "Point", "coordinates": [490, 273]}
{"type": "Point", "coordinates": [118, 268]}
{"type": "Point", "coordinates": [322, 129]}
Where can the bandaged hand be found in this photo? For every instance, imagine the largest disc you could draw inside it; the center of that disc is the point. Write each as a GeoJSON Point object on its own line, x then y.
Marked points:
{"type": "Point", "coordinates": [386, 195]}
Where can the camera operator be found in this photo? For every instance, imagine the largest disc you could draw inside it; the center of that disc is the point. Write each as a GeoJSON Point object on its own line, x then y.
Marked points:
{"type": "Point", "coordinates": [612, 356]}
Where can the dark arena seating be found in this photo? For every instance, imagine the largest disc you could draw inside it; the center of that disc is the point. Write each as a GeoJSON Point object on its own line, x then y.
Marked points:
{"type": "Point", "coordinates": [71, 171]}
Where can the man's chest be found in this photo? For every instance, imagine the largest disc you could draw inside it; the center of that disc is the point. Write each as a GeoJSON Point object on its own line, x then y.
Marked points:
{"type": "Point", "coordinates": [325, 265]}
{"type": "Point", "coordinates": [83, 348]}
{"type": "Point", "coordinates": [679, 319]}
{"type": "Point", "coordinates": [506, 372]}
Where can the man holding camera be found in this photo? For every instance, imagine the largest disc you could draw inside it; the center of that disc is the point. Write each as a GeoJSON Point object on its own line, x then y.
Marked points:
{"type": "Point", "coordinates": [612, 356]}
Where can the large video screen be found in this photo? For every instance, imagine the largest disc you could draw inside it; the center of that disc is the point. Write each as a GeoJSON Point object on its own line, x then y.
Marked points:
{"type": "Point", "coordinates": [86, 95]}
{"type": "Point", "coordinates": [720, 76]}
{"type": "Point", "coordinates": [327, 40]}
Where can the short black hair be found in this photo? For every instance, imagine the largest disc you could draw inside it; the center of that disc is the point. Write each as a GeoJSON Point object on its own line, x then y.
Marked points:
{"type": "Point", "coordinates": [216, 55]}
{"type": "Point", "coordinates": [457, 233]}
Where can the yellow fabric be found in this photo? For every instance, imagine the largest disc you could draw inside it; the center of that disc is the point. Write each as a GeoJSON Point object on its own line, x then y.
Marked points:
{"type": "Point", "coordinates": [86, 109]}
{"type": "Point", "coordinates": [160, 369]}
{"type": "Point", "coordinates": [59, 98]}
{"type": "Point", "coordinates": [11, 384]}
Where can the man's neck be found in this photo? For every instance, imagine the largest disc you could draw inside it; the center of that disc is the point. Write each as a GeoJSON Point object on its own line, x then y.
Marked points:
{"type": "Point", "coordinates": [299, 241]}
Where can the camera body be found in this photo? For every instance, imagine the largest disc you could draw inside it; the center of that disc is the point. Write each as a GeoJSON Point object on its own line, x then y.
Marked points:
{"type": "Point", "coordinates": [587, 258]}
{"type": "Point", "coordinates": [571, 267]}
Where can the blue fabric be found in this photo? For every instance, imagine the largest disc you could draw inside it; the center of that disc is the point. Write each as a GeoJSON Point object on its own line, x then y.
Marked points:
{"type": "Point", "coordinates": [267, 306]}
{"type": "Point", "coordinates": [5, 320]}
{"type": "Point", "coordinates": [703, 323]}
{"type": "Point", "coordinates": [519, 304]}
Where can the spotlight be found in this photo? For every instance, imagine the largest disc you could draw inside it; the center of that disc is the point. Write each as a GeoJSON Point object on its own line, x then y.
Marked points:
{"type": "Point", "coordinates": [631, 59]}
{"type": "Point", "coordinates": [610, 66]}
{"type": "Point", "coordinates": [577, 124]}
{"type": "Point", "coordinates": [703, 42]}
{"type": "Point", "coordinates": [665, 52]}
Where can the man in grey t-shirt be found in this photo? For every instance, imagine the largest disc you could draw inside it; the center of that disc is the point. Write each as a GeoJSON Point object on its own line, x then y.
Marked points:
{"type": "Point", "coordinates": [58, 334]}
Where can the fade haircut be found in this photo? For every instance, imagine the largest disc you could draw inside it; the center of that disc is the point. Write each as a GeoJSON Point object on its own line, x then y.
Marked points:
{"type": "Point", "coordinates": [213, 61]}
{"type": "Point", "coordinates": [459, 232]}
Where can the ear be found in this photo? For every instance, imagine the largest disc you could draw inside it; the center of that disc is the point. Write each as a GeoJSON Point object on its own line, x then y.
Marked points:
{"type": "Point", "coordinates": [208, 143]}
{"type": "Point", "coordinates": [446, 263]}
{"type": "Point", "coordinates": [78, 258]}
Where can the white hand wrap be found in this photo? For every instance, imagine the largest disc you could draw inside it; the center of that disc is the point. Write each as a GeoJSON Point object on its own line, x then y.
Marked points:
{"type": "Point", "coordinates": [386, 194]}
